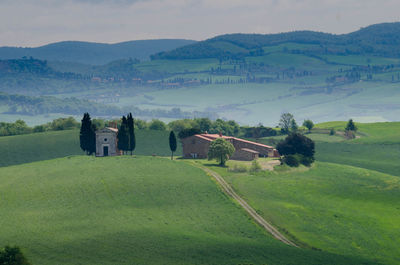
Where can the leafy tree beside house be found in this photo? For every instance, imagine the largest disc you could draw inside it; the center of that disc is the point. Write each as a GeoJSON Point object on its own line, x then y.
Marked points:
{"type": "Point", "coordinates": [297, 148]}
{"type": "Point", "coordinates": [87, 135]}
{"type": "Point", "coordinates": [220, 150]}
{"type": "Point", "coordinates": [172, 143]}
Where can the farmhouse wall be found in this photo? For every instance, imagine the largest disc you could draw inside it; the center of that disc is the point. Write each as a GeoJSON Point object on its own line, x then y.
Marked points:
{"type": "Point", "coordinates": [195, 146]}
{"type": "Point", "coordinates": [245, 155]}
{"type": "Point", "coordinates": [262, 150]}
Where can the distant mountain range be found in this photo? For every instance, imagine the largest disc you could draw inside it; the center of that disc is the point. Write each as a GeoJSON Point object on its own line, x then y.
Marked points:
{"type": "Point", "coordinates": [94, 53]}
{"type": "Point", "coordinates": [380, 39]}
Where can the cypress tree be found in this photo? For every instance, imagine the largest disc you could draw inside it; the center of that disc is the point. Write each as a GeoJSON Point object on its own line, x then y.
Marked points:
{"type": "Point", "coordinates": [351, 126]}
{"type": "Point", "coordinates": [92, 139]}
{"type": "Point", "coordinates": [172, 143]}
{"type": "Point", "coordinates": [131, 133]}
{"type": "Point", "coordinates": [87, 135]}
{"type": "Point", "coordinates": [123, 138]}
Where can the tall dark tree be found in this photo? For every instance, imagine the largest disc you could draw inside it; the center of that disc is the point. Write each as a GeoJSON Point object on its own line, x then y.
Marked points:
{"type": "Point", "coordinates": [296, 143]}
{"type": "Point", "coordinates": [172, 143]}
{"type": "Point", "coordinates": [131, 133]}
{"type": "Point", "coordinates": [87, 135]}
{"type": "Point", "coordinates": [351, 126]}
{"type": "Point", "coordinates": [123, 136]}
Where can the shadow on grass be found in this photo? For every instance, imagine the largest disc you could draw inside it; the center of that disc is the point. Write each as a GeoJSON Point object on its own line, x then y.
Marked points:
{"type": "Point", "coordinates": [168, 247]}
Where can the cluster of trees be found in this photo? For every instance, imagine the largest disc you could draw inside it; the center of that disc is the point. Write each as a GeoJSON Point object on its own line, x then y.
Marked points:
{"type": "Point", "coordinates": [20, 127]}
{"type": "Point", "coordinates": [187, 127]}
{"type": "Point", "coordinates": [26, 105]}
{"type": "Point", "coordinates": [126, 134]}
{"type": "Point", "coordinates": [287, 123]}
{"type": "Point", "coordinates": [297, 149]}
{"type": "Point", "coordinates": [87, 135]}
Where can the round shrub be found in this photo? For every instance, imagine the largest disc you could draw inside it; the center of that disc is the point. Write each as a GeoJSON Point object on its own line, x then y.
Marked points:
{"type": "Point", "coordinates": [291, 160]}
{"type": "Point", "coordinates": [307, 161]}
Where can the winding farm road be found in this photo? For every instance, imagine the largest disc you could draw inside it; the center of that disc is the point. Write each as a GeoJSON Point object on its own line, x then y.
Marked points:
{"type": "Point", "coordinates": [267, 226]}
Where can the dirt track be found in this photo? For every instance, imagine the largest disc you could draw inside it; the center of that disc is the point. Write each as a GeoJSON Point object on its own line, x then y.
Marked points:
{"type": "Point", "coordinates": [267, 226]}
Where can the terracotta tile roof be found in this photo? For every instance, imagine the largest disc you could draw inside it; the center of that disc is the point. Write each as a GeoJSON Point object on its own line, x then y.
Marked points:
{"type": "Point", "coordinates": [215, 136]}
{"type": "Point", "coordinates": [250, 142]}
{"type": "Point", "coordinates": [250, 151]}
{"type": "Point", "coordinates": [202, 137]}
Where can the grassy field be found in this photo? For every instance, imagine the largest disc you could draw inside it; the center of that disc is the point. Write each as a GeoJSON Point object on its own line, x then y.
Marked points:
{"type": "Point", "coordinates": [332, 207]}
{"type": "Point", "coordinates": [378, 148]}
{"type": "Point", "coordinates": [42, 146]}
{"type": "Point", "coordinates": [134, 210]}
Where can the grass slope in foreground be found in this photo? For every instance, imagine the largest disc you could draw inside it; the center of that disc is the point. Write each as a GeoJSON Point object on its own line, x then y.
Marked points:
{"type": "Point", "coordinates": [336, 208]}
{"type": "Point", "coordinates": [124, 210]}
{"type": "Point", "coordinates": [27, 148]}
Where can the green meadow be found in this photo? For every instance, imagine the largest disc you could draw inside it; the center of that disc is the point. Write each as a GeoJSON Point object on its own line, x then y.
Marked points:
{"type": "Point", "coordinates": [150, 210]}
{"type": "Point", "coordinates": [134, 210]}
{"type": "Point", "coordinates": [27, 148]}
{"type": "Point", "coordinates": [333, 207]}
{"type": "Point", "coordinates": [378, 147]}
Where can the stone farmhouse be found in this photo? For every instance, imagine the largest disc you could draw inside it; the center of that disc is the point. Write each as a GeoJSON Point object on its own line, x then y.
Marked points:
{"type": "Point", "coordinates": [197, 146]}
{"type": "Point", "coordinates": [106, 142]}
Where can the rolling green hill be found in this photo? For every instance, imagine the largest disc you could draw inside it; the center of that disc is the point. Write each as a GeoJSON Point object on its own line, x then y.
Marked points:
{"type": "Point", "coordinates": [333, 207]}
{"type": "Point", "coordinates": [143, 210]}
{"type": "Point", "coordinates": [249, 78]}
{"type": "Point", "coordinates": [93, 53]}
{"type": "Point", "coordinates": [49, 145]}
{"type": "Point", "coordinates": [380, 39]}
{"type": "Point", "coordinates": [378, 148]}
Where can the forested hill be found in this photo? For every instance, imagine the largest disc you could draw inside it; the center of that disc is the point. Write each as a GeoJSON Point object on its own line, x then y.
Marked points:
{"type": "Point", "coordinates": [380, 39]}
{"type": "Point", "coordinates": [94, 53]}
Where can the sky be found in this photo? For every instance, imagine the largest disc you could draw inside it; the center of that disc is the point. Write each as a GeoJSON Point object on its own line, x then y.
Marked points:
{"type": "Point", "coordinates": [31, 23]}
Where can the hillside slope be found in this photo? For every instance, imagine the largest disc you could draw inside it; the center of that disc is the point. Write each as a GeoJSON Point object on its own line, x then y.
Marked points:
{"type": "Point", "coordinates": [377, 149]}
{"type": "Point", "coordinates": [28, 148]}
{"type": "Point", "coordinates": [333, 207]}
{"type": "Point", "coordinates": [122, 210]}
{"type": "Point", "coordinates": [94, 53]}
{"type": "Point", "coordinates": [380, 39]}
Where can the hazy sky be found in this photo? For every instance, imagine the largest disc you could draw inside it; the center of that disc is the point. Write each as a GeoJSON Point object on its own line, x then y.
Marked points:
{"type": "Point", "coordinates": [37, 22]}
